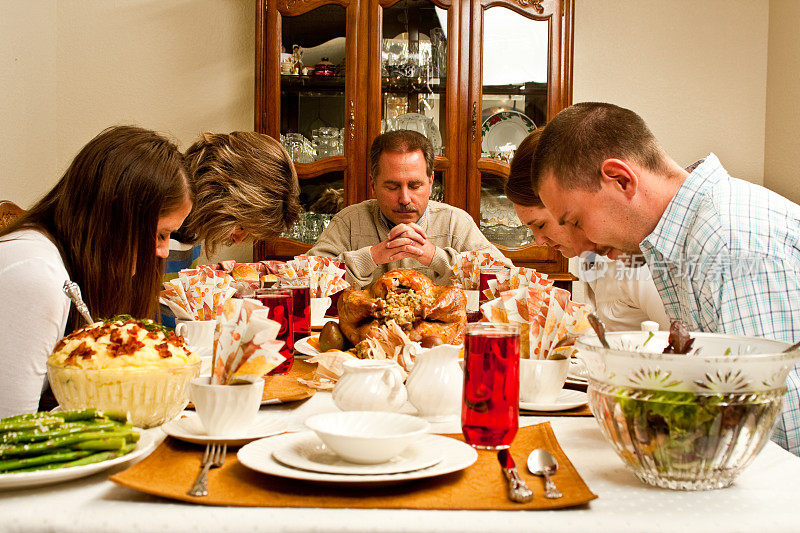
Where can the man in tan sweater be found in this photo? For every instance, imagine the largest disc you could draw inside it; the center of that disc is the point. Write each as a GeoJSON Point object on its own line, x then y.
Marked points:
{"type": "Point", "coordinates": [401, 228]}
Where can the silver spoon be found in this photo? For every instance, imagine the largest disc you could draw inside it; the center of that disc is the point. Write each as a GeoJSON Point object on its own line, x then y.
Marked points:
{"type": "Point", "coordinates": [73, 291]}
{"type": "Point", "coordinates": [599, 329]}
{"type": "Point", "coordinates": [542, 463]}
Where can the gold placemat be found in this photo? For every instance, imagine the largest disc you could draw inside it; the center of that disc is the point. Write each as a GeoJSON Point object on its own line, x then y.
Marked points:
{"type": "Point", "coordinates": [285, 388]}
{"type": "Point", "coordinates": [171, 468]}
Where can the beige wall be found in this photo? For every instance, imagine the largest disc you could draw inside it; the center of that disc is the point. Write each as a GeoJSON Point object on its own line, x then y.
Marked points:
{"type": "Point", "coordinates": [28, 131]}
{"type": "Point", "coordinates": [694, 70]}
{"type": "Point", "coordinates": [782, 140]}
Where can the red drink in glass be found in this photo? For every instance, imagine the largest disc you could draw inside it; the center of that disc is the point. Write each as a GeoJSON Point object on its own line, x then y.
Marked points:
{"type": "Point", "coordinates": [486, 275]}
{"type": "Point", "coordinates": [490, 410]}
{"type": "Point", "coordinates": [280, 303]}
{"type": "Point", "coordinates": [333, 310]}
{"type": "Point", "coordinates": [301, 312]}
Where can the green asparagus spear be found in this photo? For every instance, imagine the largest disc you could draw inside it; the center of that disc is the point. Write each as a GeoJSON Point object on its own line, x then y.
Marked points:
{"type": "Point", "coordinates": [101, 444]}
{"type": "Point", "coordinates": [29, 416]}
{"type": "Point", "coordinates": [89, 459]}
{"type": "Point", "coordinates": [13, 450]}
{"type": "Point", "coordinates": [88, 414]}
{"type": "Point", "coordinates": [49, 432]}
{"type": "Point", "coordinates": [17, 425]}
{"type": "Point", "coordinates": [102, 456]}
{"type": "Point", "coordinates": [29, 463]}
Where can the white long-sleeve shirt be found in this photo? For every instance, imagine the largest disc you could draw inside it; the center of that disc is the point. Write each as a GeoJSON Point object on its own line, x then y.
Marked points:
{"type": "Point", "coordinates": [33, 316]}
{"type": "Point", "coordinates": [623, 296]}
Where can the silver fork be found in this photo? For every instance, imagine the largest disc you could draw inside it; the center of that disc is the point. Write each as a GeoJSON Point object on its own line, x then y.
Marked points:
{"type": "Point", "coordinates": [214, 457]}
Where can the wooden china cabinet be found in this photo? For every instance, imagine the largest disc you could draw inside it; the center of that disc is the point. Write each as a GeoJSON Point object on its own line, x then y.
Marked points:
{"type": "Point", "coordinates": [474, 75]}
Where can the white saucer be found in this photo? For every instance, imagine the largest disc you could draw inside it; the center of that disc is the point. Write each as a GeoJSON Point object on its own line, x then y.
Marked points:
{"type": "Point", "coordinates": [302, 346]}
{"type": "Point", "coordinates": [190, 429]}
{"type": "Point", "coordinates": [311, 454]}
{"type": "Point", "coordinates": [566, 399]}
{"type": "Point", "coordinates": [258, 456]}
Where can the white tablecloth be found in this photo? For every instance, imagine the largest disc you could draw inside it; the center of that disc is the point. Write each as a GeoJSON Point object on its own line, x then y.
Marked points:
{"type": "Point", "coordinates": [762, 499]}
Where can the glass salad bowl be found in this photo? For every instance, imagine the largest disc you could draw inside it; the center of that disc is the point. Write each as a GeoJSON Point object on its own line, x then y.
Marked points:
{"type": "Point", "coordinates": [686, 421]}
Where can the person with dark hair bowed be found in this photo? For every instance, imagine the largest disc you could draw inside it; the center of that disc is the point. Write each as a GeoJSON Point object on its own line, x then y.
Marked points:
{"type": "Point", "coordinates": [622, 292]}
{"type": "Point", "coordinates": [244, 184]}
{"type": "Point", "coordinates": [105, 225]}
{"type": "Point", "coordinates": [401, 227]}
{"type": "Point", "coordinates": [724, 253]}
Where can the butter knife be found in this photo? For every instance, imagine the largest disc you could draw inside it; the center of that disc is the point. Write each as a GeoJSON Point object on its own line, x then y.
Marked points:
{"type": "Point", "coordinates": [518, 491]}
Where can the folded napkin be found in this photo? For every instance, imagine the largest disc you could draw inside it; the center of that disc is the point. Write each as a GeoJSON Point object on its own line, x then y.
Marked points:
{"type": "Point", "coordinates": [468, 265]}
{"type": "Point", "coordinates": [325, 275]}
{"type": "Point", "coordinates": [245, 341]}
{"type": "Point", "coordinates": [545, 315]}
{"type": "Point", "coordinates": [168, 472]}
{"type": "Point", "coordinates": [198, 293]}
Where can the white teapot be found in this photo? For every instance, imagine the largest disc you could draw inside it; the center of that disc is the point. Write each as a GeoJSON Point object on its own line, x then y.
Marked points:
{"type": "Point", "coordinates": [370, 385]}
{"type": "Point", "coordinates": [436, 382]}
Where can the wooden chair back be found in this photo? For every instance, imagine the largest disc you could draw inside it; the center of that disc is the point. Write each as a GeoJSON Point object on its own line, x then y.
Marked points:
{"type": "Point", "coordinates": [9, 211]}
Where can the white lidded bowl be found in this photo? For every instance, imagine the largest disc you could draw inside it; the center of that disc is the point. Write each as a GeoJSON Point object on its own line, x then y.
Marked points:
{"type": "Point", "coordinates": [692, 421]}
{"type": "Point", "coordinates": [367, 437]}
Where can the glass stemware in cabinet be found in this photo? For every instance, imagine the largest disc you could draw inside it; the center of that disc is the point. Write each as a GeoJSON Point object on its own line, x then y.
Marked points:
{"type": "Point", "coordinates": [413, 68]}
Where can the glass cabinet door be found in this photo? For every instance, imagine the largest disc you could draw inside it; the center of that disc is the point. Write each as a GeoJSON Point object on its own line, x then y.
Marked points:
{"type": "Point", "coordinates": [514, 99]}
{"type": "Point", "coordinates": [415, 77]}
{"type": "Point", "coordinates": [313, 112]}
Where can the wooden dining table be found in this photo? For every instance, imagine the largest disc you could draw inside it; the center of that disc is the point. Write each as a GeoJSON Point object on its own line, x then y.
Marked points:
{"type": "Point", "coordinates": [763, 498]}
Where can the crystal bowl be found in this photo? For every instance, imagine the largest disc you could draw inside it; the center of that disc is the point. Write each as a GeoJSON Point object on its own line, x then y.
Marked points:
{"type": "Point", "coordinates": [688, 422]}
{"type": "Point", "coordinates": [150, 396]}
{"type": "Point", "coordinates": [367, 437]}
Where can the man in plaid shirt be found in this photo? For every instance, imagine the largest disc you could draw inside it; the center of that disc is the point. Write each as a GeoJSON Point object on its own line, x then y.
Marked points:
{"type": "Point", "coordinates": [724, 253]}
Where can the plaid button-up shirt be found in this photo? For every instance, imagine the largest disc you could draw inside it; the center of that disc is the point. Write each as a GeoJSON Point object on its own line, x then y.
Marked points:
{"type": "Point", "coordinates": [725, 258]}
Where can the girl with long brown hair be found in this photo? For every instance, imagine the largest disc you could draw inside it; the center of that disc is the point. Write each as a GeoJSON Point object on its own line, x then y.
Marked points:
{"type": "Point", "coordinates": [106, 226]}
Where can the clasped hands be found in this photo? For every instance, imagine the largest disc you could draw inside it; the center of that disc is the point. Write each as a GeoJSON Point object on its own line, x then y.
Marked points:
{"type": "Point", "coordinates": [404, 241]}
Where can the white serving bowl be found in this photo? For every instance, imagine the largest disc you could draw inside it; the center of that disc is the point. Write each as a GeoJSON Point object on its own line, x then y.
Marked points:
{"type": "Point", "coordinates": [691, 421]}
{"type": "Point", "coordinates": [367, 437]}
{"type": "Point", "coordinates": [150, 396]}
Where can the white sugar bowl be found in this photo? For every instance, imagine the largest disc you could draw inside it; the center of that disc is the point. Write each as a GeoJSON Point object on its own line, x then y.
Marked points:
{"type": "Point", "coordinates": [370, 385]}
{"type": "Point", "coordinates": [436, 382]}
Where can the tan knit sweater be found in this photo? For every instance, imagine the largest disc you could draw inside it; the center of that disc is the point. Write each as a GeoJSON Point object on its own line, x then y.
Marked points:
{"type": "Point", "coordinates": [355, 229]}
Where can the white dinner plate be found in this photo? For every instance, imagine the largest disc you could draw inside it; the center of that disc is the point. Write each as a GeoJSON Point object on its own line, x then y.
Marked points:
{"type": "Point", "coordinates": [505, 127]}
{"type": "Point", "coordinates": [325, 320]}
{"type": "Point", "coordinates": [566, 399]}
{"type": "Point", "coordinates": [190, 429]}
{"type": "Point", "coordinates": [146, 444]}
{"type": "Point", "coordinates": [258, 456]}
{"type": "Point", "coordinates": [304, 348]}
{"type": "Point", "coordinates": [311, 454]}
